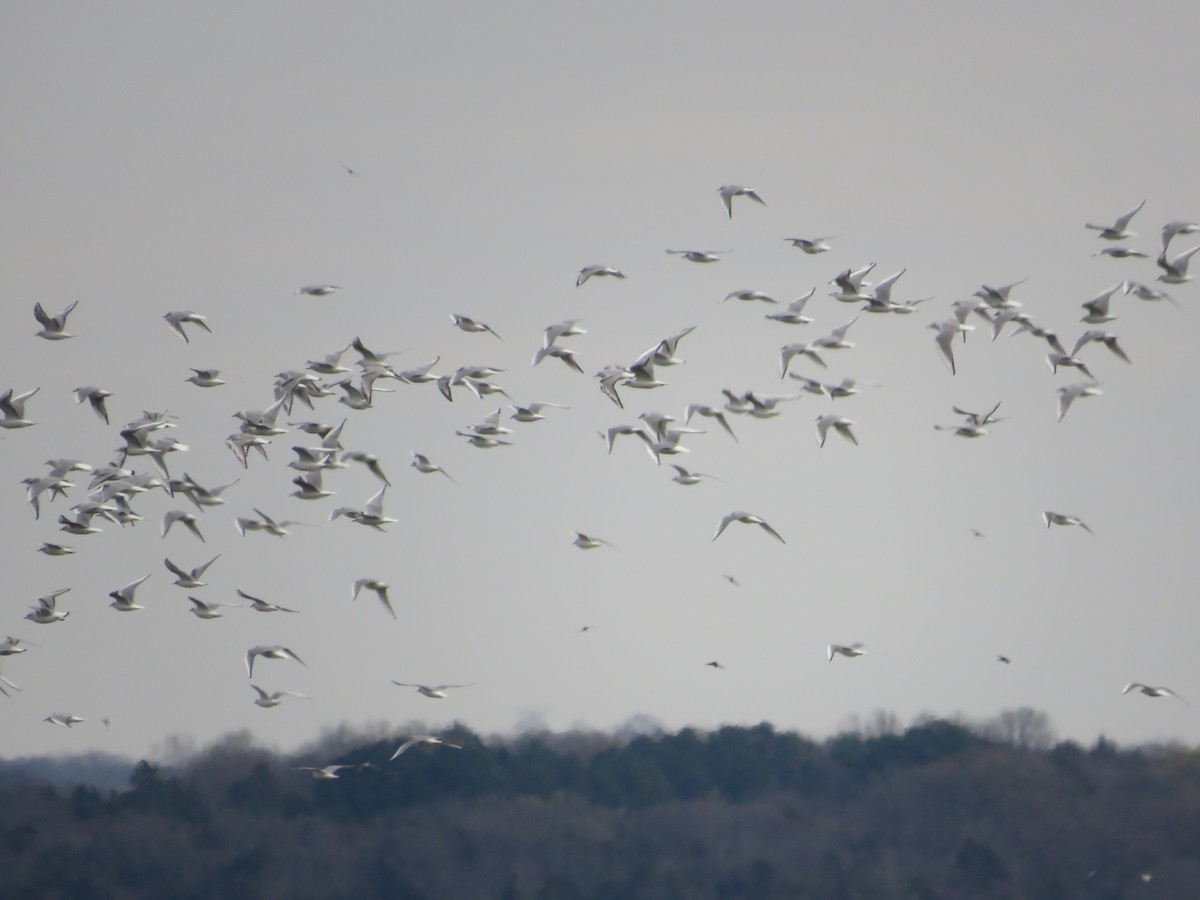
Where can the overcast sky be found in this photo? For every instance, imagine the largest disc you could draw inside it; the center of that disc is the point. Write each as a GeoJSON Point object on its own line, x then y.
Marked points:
{"type": "Point", "coordinates": [161, 157]}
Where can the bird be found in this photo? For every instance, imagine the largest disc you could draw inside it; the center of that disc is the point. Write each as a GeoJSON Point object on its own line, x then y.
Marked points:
{"type": "Point", "coordinates": [265, 523]}
{"type": "Point", "coordinates": [1069, 393]}
{"type": "Point", "coordinates": [749, 295]}
{"type": "Point", "coordinates": [179, 515]}
{"type": "Point", "coordinates": [837, 423]}
{"type": "Point", "coordinates": [1054, 360]}
{"type": "Point", "coordinates": [700, 256]}
{"type": "Point", "coordinates": [664, 353]}
{"type": "Point", "coordinates": [747, 519]}
{"type": "Point", "coordinates": [326, 773]}
{"type": "Point", "coordinates": [261, 605]}
{"type": "Point", "coordinates": [687, 477]}
{"type": "Point", "coordinates": [975, 424]}
{"type": "Point", "coordinates": [55, 549]}
{"type": "Point", "coordinates": [588, 542]}
{"type": "Point", "coordinates": [269, 651]}
{"type": "Point", "coordinates": [729, 191]}
{"type": "Point", "coordinates": [425, 740]}
{"type": "Point", "coordinates": [53, 327]}
{"type": "Point", "coordinates": [590, 271]}
{"type": "Point", "coordinates": [1001, 658]}
{"type": "Point", "coordinates": [788, 352]}
{"type": "Point", "coordinates": [371, 514]}
{"type": "Point", "coordinates": [610, 377]}
{"type": "Point", "coordinates": [189, 579]}
{"type": "Point", "coordinates": [532, 412]}
{"type": "Point", "coordinates": [792, 314]}
{"type": "Point", "coordinates": [46, 611]}
{"type": "Point", "coordinates": [321, 290]}
{"type": "Point", "coordinates": [836, 339]}
{"type": "Point", "coordinates": [709, 412]}
{"type": "Point", "coordinates": [370, 460]}
{"type": "Point", "coordinates": [732, 580]}
{"type": "Point", "coordinates": [13, 409]}
{"type": "Point", "coordinates": [714, 664]}
{"type": "Point", "coordinates": [205, 378]}
{"type": "Point", "coordinates": [850, 651]}
{"type": "Point", "coordinates": [434, 691]}
{"type": "Point", "coordinates": [310, 487]}
{"type": "Point", "coordinates": [467, 324]}
{"type": "Point", "coordinates": [66, 720]}
{"type": "Point", "coordinates": [1119, 229]}
{"type": "Point", "coordinates": [1175, 270]}
{"type": "Point", "coordinates": [850, 284]}
{"type": "Point", "coordinates": [379, 587]}
{"type": "Point", "coordinates": [566, 354]}
{"type": "Point", "coordinates": [1103, 337]}
{"type": "Point", "coordinates": [1121, 253]}
{"type": "Point", "coordinates": [202, 610]}
{"type": "Point", "coordinates": [421, 463]}
{"type": "Point", "coordinates": [1150, 691]}
{"type": "Point", "coordinates": [177, 319]}
{"type": "Point", "coordinates": [1177, 226]}
{"type": "Point", "coordinates": [266, 701]}
{"type": "Point", "coordinates": [947, 329]}
{"type": "Point", "coordinates": [123, 597]}
{"type": "Point", "coordinates": [811, 246]}
{"type": "Point", "coordinates": [1053, 518]}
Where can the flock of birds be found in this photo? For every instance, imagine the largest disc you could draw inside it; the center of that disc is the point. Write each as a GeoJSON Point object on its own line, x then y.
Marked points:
{"type": "Point", "coordinates": [146, 462]}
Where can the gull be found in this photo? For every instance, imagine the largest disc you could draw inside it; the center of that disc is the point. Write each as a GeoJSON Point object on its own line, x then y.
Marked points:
{"type": "Point", "coordinates": [1097, 307]}
{"type": "Point", "coordinates": [370, 460]}
{"type": "Point", "coordinates": [1103, 337]}
{"type": "Point", "coordinates": [566, 328]}
{"type": "Point", "coordinates": [1175, 227]}
{"type": "Point", "coordinates": [179, 515]}
{"type": "Point", "coordinates": [202, 610]}
{"type": "Point", "coordinates": [490, 425]}
{"type": "Point", "coordinates": [309, 487]}
{"type": "Point", "coordinates": [326, 773]}
{"type": "Point", "coordinates": [313, 459]}
{"type": "Point", "coordinates": [262, 422]}
{"type": "Point", "coordinates": [13, 409]}
{"type": "Point", "coordinates": [812, 246]}
{"type": "Point", "coordinates": [664, 353]}
{"type": "Point", "coordinates": [850, 284]}
{"type": "Point", "coordinates": [687, 477]}
{"type": "Point", "coordinates": [588, 271]}
{"type": "Point", "coordinates": [811, 385]}
{"type": "Point", "coordinates": [266, 701]}
{"type": "Point", "coordinates": [206, 378]}
{"type": "Point", "coordinates": [465, 323]}
{"type": "Point", "coordinates": [852, 650]}
{"type": "Point", "coordinates": [636, 430]}
{"type": "Point", "coordinates": [729, 191]}
{"type": "Point", "coordinates": [1053, 518]}
{"type": "Point", "coordinates": [1054, 360]}
{"type": "Point", "coordinates": [77, 526]}
{"type": "Point", "coordinates": [176, 321]}
{"type": "Point", "coordinates": [747, 519]}
{"type": "Point", "coordinates": [269, 651]}
{"type": "Point", "coordinates": [1121, 253]}
{"type": "Point", "coordinates": [836, 339]}
{"type": "Point", "coordinates": [434, 691]}
{"type": "Point", "coordinates": [610, 377]}
{"type": "Point", "coordinates": [533, 411]}
{"type": "Point", "coordinates": [998, 296]}
{"type": "Point", "coordinates": [483, 442]}
{"type": "Point", "coordinates": [749, 295]}
{"type": "Point", "coordinates": [563, 353]}
{"type": "Point", "coordinates": [53, 327]}
{"type": "Point", "coordinates": [123, 597]}
{"type": "Point", "coordinates": [587, 542]}
{"type": "Point", "coordinates": [1145, 292]}
{"type": "Point", "coordinates": [425, 740]}
{"type": "Point", "coordinates": [11, 646]}
{"type": "Point", "coordinates": [371, 514]}
{"type": "Point", "coordinates": [481, 388]}
{"type": "Point", "coordinates": [264, 523]}
{"type": "Point", "coordinates": [975, 424]}
{"type": "Point", "coordinates": [791, 315]}
{"type": "Point", "coordinates": [1001, 658]}
{"type": "Point", "coordinates": [66, 720]}
{"type": "Point", "coordinates": [642, 372]}
{"type": "Point", "coordinates": [881, 300]}
{"type": "Point", "coordinates": [320, 290]}
{"type": "Point", "coordinates": [714, 664]}
{"type": "Point", "coordinates": [201, 496]}
{"type": "Point", "coordinates": [241, 444]}
{"type": "Point", "coordinates": [329, 364]}
{"type": "Point", "coordinates": [55, 549]}
{"type": "Point", "coordinates": [1119, 229]}
{"type": "Point", "coordinates": [421, 374]}
{"type": "Point", "coordinates": [96, 397]}
{"type": "Point", "coordinates": [846, 388]}
{"type": "Point", "coordinates": [1150, 691]}
{"type": "Point", "coordinates": [838, 424]}
{"type": "Point", "coordinates": [379, 587]}
{"type": "Point", "coordinates": [946, 331]}
{"type": "Point", "coordinates": [189, 579]}
{"type": "Point", "coordinates": [732, 580]}
{"type": "Point", "coordinates": [45, 612]}
{"type": "Point", "coordinates": [1069, 393]}
{"type": "Point", "coordinates": [422, 464]}
{"type": "Point", "coordinates": [35, 487]}
{"type": "Point", "coordinates": [708, 412]}
{"type": "Point", "coordinates": [260, 605]}
{"type": "Point", "coordinates": [1175, 270]}
{"type": "Point", "coordinates": [789, 351]}
{"type": "Point", "coordinates": [765, 407]}
{"type": "Point", "coordinates": [700, 256]}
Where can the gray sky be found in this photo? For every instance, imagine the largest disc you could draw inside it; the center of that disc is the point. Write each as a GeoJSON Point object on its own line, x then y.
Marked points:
{"type": "Point", "coordinates": [160, 158]}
